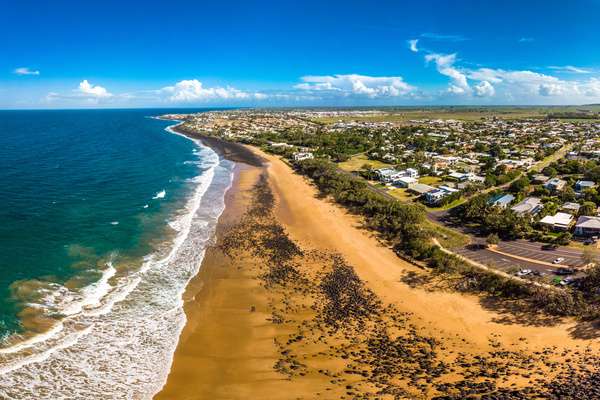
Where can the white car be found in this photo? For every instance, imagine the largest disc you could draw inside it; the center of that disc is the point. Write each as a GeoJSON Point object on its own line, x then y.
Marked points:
{"type": "Point", "coordinates": [524, 272]}
{"type": "Point", "coordinates": [558, 260]}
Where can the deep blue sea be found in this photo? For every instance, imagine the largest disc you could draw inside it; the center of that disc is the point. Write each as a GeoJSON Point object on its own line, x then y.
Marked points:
{"type": "Point", "coordinates": [104, 217]}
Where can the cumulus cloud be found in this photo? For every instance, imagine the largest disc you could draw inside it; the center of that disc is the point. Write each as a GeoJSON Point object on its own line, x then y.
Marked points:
{"type": "Point", "coordinates": [356, 85]}
{"type": "Point", "coordinates": [523, 86]}
{"type": "Point", "coordinates": [445, 66]}
{"type": "Point", "coordinates": [413, 45]}
{"type": "Point", "coordinates": [193, 90]}
{"type": "Point", "coordinates": [25, 71]}
{"type": "Point", "coordinates": [484, 89]}
{"type": "Point", "coordinates": [95, 91]}
{"type": "Point", "coordinates": [526, 40]}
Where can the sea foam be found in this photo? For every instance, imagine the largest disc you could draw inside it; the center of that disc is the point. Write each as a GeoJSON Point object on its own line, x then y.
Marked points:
{"type": "Point", "coordinates": [116, 337]}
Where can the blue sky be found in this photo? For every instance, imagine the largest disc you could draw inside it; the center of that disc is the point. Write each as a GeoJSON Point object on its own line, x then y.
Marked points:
{"type": "Point", "coordinates": [63, 54]}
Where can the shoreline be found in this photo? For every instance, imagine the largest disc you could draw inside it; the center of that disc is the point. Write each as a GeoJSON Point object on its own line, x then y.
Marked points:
{"type": "Point", "coordinates": [226, 349]}
{"type": "Point", "coordinates": [231, 151]}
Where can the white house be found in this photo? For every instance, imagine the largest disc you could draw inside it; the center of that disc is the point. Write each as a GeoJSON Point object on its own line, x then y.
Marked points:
{"type": "Point", "coordinates": [303, 156]}
{"type": "Point", "coordinates": [405, 181]}
{"type": "Point", "coordinates": [559, 221]}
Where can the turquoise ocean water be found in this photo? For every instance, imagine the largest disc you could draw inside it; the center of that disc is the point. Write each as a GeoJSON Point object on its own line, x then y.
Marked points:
{"type": "Point", "coordinates": [104, 217]}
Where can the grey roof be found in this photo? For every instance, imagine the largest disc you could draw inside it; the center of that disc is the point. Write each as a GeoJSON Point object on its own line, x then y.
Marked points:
{"type": "Point", "coordinates": [528, 205]}
{"type": "Point", "coordinates": [588, 222]}
{"type": "Point", "coordinates": [421, 188]}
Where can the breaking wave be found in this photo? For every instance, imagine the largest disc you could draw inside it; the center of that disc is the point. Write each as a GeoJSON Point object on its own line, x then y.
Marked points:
{"type": "Point", "coordinates": [115, 337]}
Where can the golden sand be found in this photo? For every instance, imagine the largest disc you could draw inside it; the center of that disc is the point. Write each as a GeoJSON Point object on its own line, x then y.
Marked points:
{"type": "Point", "coordinates": [230, 347]}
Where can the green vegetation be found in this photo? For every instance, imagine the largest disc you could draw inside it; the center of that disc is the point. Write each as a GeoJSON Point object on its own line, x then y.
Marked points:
{"type": "Point", "coordinates": [361, 161]}
{"type": "Point", "coordinates": [405, 228]}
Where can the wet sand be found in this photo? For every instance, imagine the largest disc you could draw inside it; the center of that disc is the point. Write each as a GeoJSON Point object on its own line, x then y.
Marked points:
{"type": "Point", "coordinates": [265, 327]}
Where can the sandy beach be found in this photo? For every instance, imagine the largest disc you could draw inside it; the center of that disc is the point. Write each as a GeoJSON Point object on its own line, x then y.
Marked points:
{"type": "Point", "coordinates": [296, 300]}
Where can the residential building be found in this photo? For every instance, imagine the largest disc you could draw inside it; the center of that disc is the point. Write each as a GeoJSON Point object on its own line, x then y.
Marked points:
{"type": "Point", "coordinates": [529, 205]}
{"type": "Point", "coordinates": [571, 208]}
{"type": "Point", "coordinates": [559, 221]}
{"type": "Point", "coordinates": [580, 186]}
{"type": "Point", "coordinates": [555, 184]}
{"type": "Point", "coordinates": [405, 182]}
{"type": "Point", "coordinates": [501, 200]}
{"type": "Point", "coordinates": [303, 156]}
{"type": "Point", "coordinates": [587, 226]}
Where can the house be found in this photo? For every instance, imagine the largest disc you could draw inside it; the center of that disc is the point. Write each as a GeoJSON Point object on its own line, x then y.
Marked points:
{"type": "Point", "coordinates": [475, 178]}
{"type": "Point", "coordinates": [435, 196]}
{"type": "Point", "coordinates": [529, 205]}
{"type": "Point", "coordinates": [587, 226]}
{"type": "Point", "coordinates": [571, 208]}
{"type": "Point", "coordinates": [388, 174]}
{"type": "Point", "coordinates": [580, 186]}
{"type": "Point", "coordinates": [420, 188]}
{"type": "Point", "coordinates": [411, 172]}
{"type": "Point", "coordinates": [405, 182]}
{"type": "Point", "coordinates": [303, 156]}
{"type": "Point", "coordinates": [539, 178]}
{"type": "Point", "coordinates": [459, 176]}
{"type": "Point", "coordinates": [555, 184]}
{"type": "Point", "coordinates": [501, 200]}
{"type": "Point", "coordinates": [559, 221]}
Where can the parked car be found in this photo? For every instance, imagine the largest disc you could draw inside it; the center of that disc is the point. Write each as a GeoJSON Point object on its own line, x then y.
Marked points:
{"type": "Point", "coordinates": [558, 260]}
{"type": "Point", "coordinates": [589, 241]}
{"type": "Point", "coordinates": [564, 271]}
{"type": "Point", "coordinates": [524, 272]}
{"type": "Point", "coordinates": [550, 246]}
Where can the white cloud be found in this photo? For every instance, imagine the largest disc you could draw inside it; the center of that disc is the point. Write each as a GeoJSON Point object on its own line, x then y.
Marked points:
{"type": "Point", "coordinates": [26, 71]}
{"type": "Point", "coordinates": [193, 90]}
{"type": "Point", "coordinates": [445, 66]}
{"type": "Point", "coordinates": [413, 45]}
{"type": "Point", "coordinates": [88, 90]}
{"type": "Point", "coordinates": [526, 40]}
{"type": "Point", "coordinates": [484, 89]}
{"type": "Point", "coordinates": [570, 69]}
{"type": "Point", "coordinates": [356, 85]}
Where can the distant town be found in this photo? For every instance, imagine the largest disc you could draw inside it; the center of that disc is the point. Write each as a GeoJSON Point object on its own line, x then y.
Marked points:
{"type": "Point", "coordinates": [522, 193]}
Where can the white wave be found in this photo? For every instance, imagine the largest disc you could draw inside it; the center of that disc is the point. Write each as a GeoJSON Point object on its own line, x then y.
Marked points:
{"type": "Point", "coordinates": [160, 195]}
{"type": "Point", "coordinates": [37, 358]}
{"type": "Point", "coordinates": [56, 329]}
{"type": "Point", "coordinates": [134, 317]}
{"type": "Point", "coordinates": [114, 223]}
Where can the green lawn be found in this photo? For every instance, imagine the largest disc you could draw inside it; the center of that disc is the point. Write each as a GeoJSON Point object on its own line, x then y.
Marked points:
{"type": "Point", "coordinates": [430, 180]}
{"type": "Point", "coordinates": [448, 237]}
{"type": "Point", "coordinates": [401, 194]}
{"type": "Point", "coordinates": [356, 162]}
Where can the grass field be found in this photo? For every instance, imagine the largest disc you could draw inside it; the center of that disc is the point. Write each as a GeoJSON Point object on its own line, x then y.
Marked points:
{"type": "Point", "coordinates": [358, 161]}
{"type": "Point", "coordinates": [401, 194]}
{"type": "Point", "coordinates": [430, 180]}
{"type": "Point", "coordinates": [464, 113]}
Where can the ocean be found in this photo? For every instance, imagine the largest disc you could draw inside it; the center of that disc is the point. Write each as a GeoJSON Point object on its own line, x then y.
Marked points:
{"type": "Point", "coordinates": [105, 215]}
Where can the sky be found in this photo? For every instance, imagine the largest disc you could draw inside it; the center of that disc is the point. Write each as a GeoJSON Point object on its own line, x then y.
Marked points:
{"type": "Point", "coordinates": [110, 54]}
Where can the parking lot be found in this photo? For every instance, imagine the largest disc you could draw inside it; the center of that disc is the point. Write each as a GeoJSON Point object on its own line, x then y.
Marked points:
{"type": "Point", "coordinates": [534, 251]}
{"type": "Point", "coordinates": [525, 249]}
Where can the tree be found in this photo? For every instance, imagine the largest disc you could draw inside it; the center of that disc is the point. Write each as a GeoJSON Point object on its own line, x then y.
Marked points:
{"type": "Point", "coordinates": [492, 239]}
{"type": "Point", "coordinates": [588, 208]}
{"type": "Point", "coordinates": [520, 185]}
{"type": "Point", "coordinates": [549, 171]}
{"type": "Point", "coordinates": [591, 255]}
{"type": "Point", "coordinates": [568, 194]}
